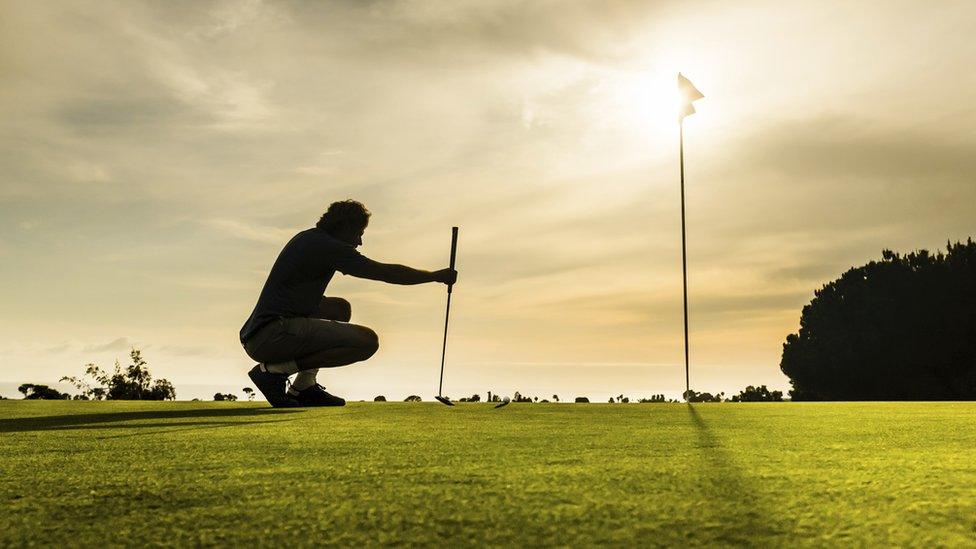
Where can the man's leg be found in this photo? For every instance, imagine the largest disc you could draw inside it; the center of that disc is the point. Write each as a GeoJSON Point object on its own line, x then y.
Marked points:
{"type": "Point", "coordinates": [338, 344]}
{"type": "Point", "coordinates": [330, 308]}
{"type": "Point", "coordinates": [361, 343]}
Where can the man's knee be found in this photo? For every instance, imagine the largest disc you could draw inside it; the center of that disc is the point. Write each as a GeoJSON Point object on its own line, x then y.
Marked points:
{"type": "Point", "coordinates": [370, 342]}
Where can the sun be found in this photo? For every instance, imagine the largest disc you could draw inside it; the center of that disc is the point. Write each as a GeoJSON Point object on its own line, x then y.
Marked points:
{"type": "Point", "coordinates": [645, 103]}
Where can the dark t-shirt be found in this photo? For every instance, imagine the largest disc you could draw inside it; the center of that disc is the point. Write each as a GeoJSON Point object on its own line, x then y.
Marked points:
{"type": "Point", "coordinates": [299, 276]}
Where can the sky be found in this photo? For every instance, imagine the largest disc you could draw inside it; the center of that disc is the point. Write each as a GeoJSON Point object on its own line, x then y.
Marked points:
{"type": "Point", "coordinates": [156, 156]}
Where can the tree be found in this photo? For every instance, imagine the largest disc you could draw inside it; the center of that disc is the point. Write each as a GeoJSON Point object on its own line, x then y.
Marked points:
{"type": "Point", "coordinates": [901, 328]}
{"type": "Point", "coordinates": [132, 383]}
{"type": "Point", "coordinates": [758, 394]}
{"type": "Point", "coordinates": [555, 398]}
{"type": "Point", "coordinates": [249, 392]}
{"type": "Point", "coordinates": [34, 391]}
{"type": "Point", "coordinates": [412, 398]}
{"type": "Point", "coordinates": [581, 400]}
{"type": "Point", "coordinates": [229, 397]}
{"type": "Point", "coordinates": [162, 390]}
{"type": "Point", "coordinates": [693, 396]}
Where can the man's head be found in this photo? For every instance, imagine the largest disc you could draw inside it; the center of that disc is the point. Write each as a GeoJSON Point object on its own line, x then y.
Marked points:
{"type": "Point", "coordinates": [345, 221]}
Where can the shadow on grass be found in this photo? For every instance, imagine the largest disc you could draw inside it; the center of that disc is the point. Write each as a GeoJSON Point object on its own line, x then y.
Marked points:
{"type": "Point", "coordinates": [90, 421]}
{"type": "Point", "coordinates": [171, 427]}
{"type": "Point", "coordinates": [722, 478]}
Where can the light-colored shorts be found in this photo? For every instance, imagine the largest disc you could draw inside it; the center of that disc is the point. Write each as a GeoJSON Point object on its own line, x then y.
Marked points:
{"type": "Point", "coordinates": [287, 339]}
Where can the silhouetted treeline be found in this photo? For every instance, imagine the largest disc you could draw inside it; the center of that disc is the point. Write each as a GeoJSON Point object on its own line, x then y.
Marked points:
{"type": "Point", "coordinates": [903, 328]}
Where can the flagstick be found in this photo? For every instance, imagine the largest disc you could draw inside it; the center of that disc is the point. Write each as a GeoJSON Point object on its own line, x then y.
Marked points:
{"type": "Point", "coordinates": [684, 261]}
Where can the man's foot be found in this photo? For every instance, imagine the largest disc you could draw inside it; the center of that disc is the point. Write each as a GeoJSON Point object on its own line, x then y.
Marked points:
{"type": "Point", "coordinates": [316, 396]}
{"type": "Point", "coordinates": [272, 386]}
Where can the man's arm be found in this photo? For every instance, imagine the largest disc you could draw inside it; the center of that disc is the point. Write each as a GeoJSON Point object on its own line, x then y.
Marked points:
{"type": "Point", "coordinates": [401, 274]}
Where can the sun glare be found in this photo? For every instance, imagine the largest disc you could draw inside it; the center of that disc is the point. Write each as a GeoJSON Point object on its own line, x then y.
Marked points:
{"type": "Point", "coordinates": [645, 104]}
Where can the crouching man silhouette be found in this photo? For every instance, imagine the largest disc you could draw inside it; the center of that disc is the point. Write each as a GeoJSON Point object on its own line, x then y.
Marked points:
{"type": "Point", "coordinates": [295, 329]}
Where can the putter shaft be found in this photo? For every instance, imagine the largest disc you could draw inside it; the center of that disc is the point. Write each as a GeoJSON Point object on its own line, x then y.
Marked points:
{"type": "Point", "coordinates": [447, 317]}
{"type": "Point", "coordinates": [447, 314]}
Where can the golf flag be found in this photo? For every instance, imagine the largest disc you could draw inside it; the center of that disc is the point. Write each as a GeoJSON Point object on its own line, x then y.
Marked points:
{"type": "Point", "coordinates": [689, 94]}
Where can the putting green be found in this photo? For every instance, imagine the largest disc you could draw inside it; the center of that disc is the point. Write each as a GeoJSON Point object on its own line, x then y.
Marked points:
{"type": "Point", "coordinates": [90, 473]}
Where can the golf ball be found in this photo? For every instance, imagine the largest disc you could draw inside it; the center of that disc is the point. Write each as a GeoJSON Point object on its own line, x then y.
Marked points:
{"type": "Point", "coordinates": [506, 399]}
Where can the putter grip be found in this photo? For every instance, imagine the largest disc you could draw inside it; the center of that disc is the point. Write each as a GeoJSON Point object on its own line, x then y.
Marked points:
{"type": "Point", "coordinates": [454, 237]}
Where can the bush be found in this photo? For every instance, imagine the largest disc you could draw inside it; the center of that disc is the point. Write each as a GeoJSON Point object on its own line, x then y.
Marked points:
{"type": "Point", "coordinates": [581, 400]}
{"type": "Point", "coordinates": [692, 396]}
{"type": "Point", "coordinates": [902, 328]}
{"type": "Point", "coordinates": [133, 383]}
{"type": "Point", "coordinates": [412, 398]}
{"type": "Point", "coordinates": [380, 398]}
{"type": "Point", "coordinates": [758, 394]}
{"type": "Point", "coordinates": [33, 391]}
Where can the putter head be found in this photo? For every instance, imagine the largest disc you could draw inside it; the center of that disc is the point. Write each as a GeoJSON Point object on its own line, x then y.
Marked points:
{"type": "Point", "coordinates": [503, 403]}
{"type": "Point", "coordinates": [444, 400]}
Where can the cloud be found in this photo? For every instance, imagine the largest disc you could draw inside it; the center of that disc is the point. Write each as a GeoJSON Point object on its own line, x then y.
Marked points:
{"type": "Point", "coordinates": [118, 344]}
{"type": "Point", "coordinates": [250, 231]}
{"type": "Point", "coordinates": [28, 224]}
{"type": "Point", "coordinates": [188, 351]}
{"type": "Point", "coordinates": [149, 147]}
{"type": "Point", "coordinates": [836, 150]}
{"type": "Point", "coordinates": [595, 29]}
{"type": "Point", "coordinates": [58, 349]}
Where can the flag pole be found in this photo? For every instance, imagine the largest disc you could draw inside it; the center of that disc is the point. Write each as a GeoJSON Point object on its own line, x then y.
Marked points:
{"type": "Point", "coordinates": [684, 260]}
{"type": "Point", "coordinates": [689, 94]}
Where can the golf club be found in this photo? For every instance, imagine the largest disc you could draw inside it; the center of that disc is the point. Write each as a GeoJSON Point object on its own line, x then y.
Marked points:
{"type": "Point", "coordinates": [447, 316]}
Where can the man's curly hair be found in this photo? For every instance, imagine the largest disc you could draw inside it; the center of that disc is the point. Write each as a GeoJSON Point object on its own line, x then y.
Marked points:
{"type": "Point", "coordinates": [346, 213]}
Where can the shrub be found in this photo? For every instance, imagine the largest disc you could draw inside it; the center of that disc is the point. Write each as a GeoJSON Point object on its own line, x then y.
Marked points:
{"type": "Point", "coordinates": [133, 383]}
{"type": "Point", "coordinates": [758, 394]}
{"type": "Point", "coordinates": [33, 391]}
{"type": "Point", "coordinates": [693, 396]}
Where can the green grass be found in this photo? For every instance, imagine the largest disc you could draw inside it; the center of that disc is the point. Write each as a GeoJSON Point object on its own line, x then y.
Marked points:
{"type": "Point", "coordinates": [90, 473]}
